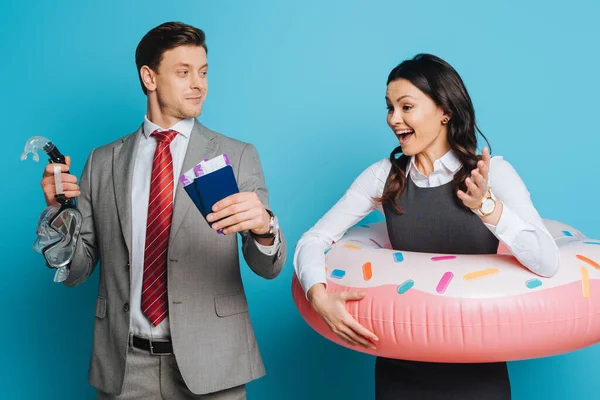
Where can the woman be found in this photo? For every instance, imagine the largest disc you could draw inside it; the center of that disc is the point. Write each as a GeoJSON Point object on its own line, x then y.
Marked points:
{"type": "Point", "coordinates": [439, 196]}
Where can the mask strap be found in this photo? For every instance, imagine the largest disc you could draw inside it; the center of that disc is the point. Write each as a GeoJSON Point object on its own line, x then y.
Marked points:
{"type": "Point", "coordinates": [58, 180]}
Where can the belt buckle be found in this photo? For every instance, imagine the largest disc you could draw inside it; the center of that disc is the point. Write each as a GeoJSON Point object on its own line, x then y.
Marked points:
{"type": "Point", "coordinates": [152, 347]}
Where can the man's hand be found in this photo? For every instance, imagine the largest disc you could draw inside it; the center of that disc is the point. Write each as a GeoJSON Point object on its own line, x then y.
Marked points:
{"type": "Point", "coordinates": [69, 183]}
{"type": "Point", "coordinates": [240, 212]}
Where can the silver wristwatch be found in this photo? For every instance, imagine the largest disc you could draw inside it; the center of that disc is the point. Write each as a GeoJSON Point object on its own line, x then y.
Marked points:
{"type": "Point", "coordinates": [273, 227]}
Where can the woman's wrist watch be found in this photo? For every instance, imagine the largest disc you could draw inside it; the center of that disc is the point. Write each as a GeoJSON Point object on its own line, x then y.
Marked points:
{"type": "Point", "coordinates": [273, 227]}
{"type": "Point", "coordinates": [487, 204]}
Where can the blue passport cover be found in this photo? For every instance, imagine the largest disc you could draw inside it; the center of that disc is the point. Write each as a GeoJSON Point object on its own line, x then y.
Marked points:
{"type": "Point", "coordinates": [214, 187]}
{"type": "Point", "coordinates": [193, 193]}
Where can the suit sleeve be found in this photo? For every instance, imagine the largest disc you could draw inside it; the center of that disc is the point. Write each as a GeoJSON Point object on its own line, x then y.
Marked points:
{"type": "Point", "coordinates": [86, 253]}
{"type": "Point", "coordinates": [251, 179]}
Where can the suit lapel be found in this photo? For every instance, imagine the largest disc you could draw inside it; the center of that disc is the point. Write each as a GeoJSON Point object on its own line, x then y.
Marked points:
{"type": "Point", "coordinates": [202, 145]}
{"type": "Point", "coordinates": [123, 163]}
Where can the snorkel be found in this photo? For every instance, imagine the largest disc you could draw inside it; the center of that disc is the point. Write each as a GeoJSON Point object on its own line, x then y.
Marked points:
{"type": "Point", "coordinates": [36, 143]}
{"type": "Point", "coordinates": [58, 227]}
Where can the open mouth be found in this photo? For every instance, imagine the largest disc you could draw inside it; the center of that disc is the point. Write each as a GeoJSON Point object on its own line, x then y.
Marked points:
{"type": "Point", "coordinates": [405, 135]}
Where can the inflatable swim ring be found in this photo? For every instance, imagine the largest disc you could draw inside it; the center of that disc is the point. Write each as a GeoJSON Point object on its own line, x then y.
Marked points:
{"type": "Point", "coordinates": [463, 308]}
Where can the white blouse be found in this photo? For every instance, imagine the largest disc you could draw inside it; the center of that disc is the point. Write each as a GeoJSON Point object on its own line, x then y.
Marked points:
{"type": "Point", "coordinates": [520, 227]}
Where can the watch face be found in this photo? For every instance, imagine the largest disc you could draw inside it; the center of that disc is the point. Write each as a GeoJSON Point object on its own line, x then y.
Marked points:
{"type": "Point", "coordinates": [488, 206]}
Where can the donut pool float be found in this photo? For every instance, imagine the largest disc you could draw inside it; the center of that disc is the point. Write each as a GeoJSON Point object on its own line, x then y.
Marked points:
{"type": "Point", "coordinates": [463, 308]}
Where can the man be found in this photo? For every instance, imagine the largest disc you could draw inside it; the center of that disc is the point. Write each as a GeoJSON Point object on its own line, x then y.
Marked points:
{"type": "Point", "coordinates": [171, 314]}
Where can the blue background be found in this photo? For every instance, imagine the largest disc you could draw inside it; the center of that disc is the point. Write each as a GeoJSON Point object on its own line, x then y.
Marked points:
{"type": "Point", "coordinates": [305, 82]}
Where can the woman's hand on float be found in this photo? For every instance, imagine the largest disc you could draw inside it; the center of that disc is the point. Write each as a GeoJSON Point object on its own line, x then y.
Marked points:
{"type": "Point", "coordinates": [69, 183]}
{"type": "Point", "coordinates": [477, 183]}
{"type": "Point", "coordinates": [332, 308]}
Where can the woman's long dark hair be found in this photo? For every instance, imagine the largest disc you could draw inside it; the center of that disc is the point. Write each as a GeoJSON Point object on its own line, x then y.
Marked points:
{"type": "Point", "coordinates": [442, 84]}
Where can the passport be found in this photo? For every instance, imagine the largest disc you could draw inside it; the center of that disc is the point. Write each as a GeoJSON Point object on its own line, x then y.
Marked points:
{"type": "Point", "coordinates": [209, 182]}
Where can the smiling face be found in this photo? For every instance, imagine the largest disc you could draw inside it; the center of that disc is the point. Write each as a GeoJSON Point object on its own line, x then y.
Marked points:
{"type": "Point", "coordinates": [415, 119]}
{"type": "Point", "coordinates": [177, 89]}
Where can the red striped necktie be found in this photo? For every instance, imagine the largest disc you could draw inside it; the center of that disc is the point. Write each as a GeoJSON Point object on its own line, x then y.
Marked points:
{"type": "Point", "coordinates": [158, 226]}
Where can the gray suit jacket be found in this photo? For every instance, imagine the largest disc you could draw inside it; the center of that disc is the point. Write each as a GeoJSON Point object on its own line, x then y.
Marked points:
{"type": "Point", "coordinates": [213, 339]}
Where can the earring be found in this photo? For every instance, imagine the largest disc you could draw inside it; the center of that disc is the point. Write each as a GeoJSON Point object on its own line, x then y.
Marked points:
{"type": "Point", "coordinates": [445, 121]}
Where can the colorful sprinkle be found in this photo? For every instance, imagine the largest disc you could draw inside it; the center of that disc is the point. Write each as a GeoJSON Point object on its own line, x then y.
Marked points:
{"type": "Point", "coordinates": [405, 287]}
{"type": "Point", "coordinates": [338, 273]}
{"type": "Point", "coordinates": [589, 261]}
{"type": "Point", "coordinates": [444, 282]}
{"type": "Point", "coordinates": [326, 268]}
{"type": "Point", "coordinates": [567, 233]}
{"type": "Point", "coordinates": [480, 273]}
{"type": "Point", "coordinates": [380, 246]}
{"type": "Point", "coordinates": [442, 258]}
{"type": "Point", "coordinates": [598, 243]}
{"type": "Point", "coordinates": [585, 282]}
{"type": "Point", "coordinates": [367, 271]}
{"type": "Point", "coordinates": [328, 250]}
{"type": "Point", "coordinates": [398, 257]}
{"type": "Point", "coordinates": [533, 283]}
{"type": "Point", "coordinates": [351, 247]}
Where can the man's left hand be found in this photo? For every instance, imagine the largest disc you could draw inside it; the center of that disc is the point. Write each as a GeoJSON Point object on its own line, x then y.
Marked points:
{"type": "Point", "coordinates": [240, 212]}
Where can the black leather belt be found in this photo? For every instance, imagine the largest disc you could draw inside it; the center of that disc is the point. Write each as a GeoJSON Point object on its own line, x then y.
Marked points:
{"type": "Point", "coordinates": [157, 347]}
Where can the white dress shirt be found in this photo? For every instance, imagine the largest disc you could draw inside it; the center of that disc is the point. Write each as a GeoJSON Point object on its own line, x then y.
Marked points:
{"type": "Point", "coordinates": [520, 227]}
{"type": "Point", "coordinates": [140, 192]}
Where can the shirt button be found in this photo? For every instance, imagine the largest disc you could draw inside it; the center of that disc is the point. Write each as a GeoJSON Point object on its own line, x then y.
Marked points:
{"type": "Point", "coordinates": [126, 307]}
{"type": "Point", "coordinates": [127, 266]}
